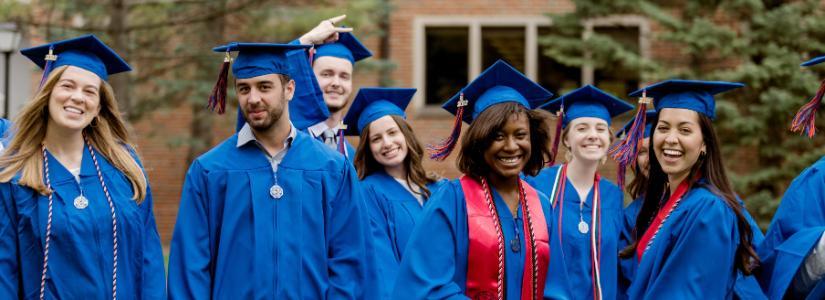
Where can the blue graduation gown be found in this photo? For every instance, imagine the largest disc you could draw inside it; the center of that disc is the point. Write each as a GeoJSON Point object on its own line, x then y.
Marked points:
{"type": "Point", "coordinates": [393, 215]}
{"type": "Point", "coordinates": [80, 250]}
{"type": "Point", "coordinates": [694, 253]}
{"type": "Point", "coordinates": [576, 245]}
{"type": "Point", "coordinates": [232, 240]}
{"type": "Point", "coordinates": [796, 228]}
{"type": "Point", "coordinates": [745, 287]}
{"type": "Point", "coordinates": [434, 265]}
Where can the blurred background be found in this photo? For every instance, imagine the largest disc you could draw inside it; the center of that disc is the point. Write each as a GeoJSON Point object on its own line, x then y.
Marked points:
{"type": "Point", "coordinates": [438, 46]}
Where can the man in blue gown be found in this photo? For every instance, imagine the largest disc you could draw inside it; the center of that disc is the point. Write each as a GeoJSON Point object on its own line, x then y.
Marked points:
{"type": "Point", "coordinates": [270, 212]}
{"type": "Point", "coordinates": [793, 253]}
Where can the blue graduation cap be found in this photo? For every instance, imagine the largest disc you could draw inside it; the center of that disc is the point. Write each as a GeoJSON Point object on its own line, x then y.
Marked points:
{"type": "Point", "coordinates": [695, 95]}
{"type": "Point", "coordinates": [86, 52]}
{"type": "Point", "coordinates": [253, 59]}
{"type": "Point", "coordinates": [588, 101]}
{"type": "Point", "coordinates": [804, 121]}
{"type": "Point", "coordinates": [500, 83]}
{"type": "Point", "coordinates": [649, 115]}
{"type": "Point", "coordinates": [373, 103]}
{"type": "Point", "coordinates": [347, 47]}
{"type": "Point", "coordinates": [814, 61]}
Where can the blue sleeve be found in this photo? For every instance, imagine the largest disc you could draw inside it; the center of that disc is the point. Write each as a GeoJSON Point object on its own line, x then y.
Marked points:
{"type": "Point", "coordinates": [9, 265]}
{"type": "Point", "coordinates": [349, 263]}
{"type": "Point", "coordinates": [190, 257]}
{"type": "Point", "coordinates": [154, 281]}
{"type": "Point", "coordinates": [429, 263]}
{"type": "Point", "coordinates": [556, 285]}
{"type": "Point", "coordinates": [700, 264]}
{"type": "Point", "coordinates": [386, 252]}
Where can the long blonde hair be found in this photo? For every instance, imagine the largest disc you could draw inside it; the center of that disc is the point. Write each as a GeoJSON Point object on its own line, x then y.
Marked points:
{"type": "Point", "coordinates": [107, 133]}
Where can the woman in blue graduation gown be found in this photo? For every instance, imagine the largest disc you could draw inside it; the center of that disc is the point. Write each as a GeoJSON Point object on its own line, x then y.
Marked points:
{"type": "Point", "coordinates": [589, 208]}
{"type": "Point", "coordinates": [793, 253]}
{"type": "Point", "coordinates": [488, 234]}
{"type": "Point", "coordinates": [393, 178]}
{"type": "Point", "coordinates": [693, 237]}
{"type": "Point", "coordinates": [636, 189]}
{"type": "Point", "coordinates": [76, 216]}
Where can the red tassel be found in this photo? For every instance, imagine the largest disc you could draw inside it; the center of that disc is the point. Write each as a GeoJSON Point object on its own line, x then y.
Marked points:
{"type": "Point", "coordinates": [626, 150]}
{"type": "Point", "coordinates": [805, 120]}
{"type": "Point", "coordinates": [554, 153]}
{"type": "Point", "coordinates": [50, 59]}
{"type": "Point", "coordinates": [217, 99]}
{"type": "Point", "coordinates": [443, 149]}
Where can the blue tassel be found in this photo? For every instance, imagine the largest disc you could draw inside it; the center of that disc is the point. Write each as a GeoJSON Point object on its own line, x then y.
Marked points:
{"type": "Point", "coordinates": [443, 149]}
{"type": "Point", "coordinates": [626, 150]}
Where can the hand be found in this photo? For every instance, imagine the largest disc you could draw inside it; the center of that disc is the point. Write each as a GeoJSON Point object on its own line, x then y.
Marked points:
{"type": "Point", "coordinates": [325, 32]}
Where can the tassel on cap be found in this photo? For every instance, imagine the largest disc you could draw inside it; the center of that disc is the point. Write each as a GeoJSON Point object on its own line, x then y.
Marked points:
{"type": "Point", "coordinates": [443, 149]}
{"type": "Point", "coordinates": [626, 150]}
{"type": "Point", "coordinates": [50, 59]}
{"type": "Point", "coordinates": [556, 141]}
{"type": "Point", "coordinates": [217, 99]}
{"type": "Point", "coordinates": [805, 120]}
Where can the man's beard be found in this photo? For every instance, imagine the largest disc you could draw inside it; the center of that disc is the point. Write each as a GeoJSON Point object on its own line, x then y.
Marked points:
{"type": "Point", "coordinates": [274, 115]}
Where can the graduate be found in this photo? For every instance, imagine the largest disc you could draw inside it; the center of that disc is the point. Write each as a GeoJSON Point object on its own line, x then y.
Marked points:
{"type": "Point", "coordinates": [389, 164]}
{"type": "Point", "coordinates": [488, 235]}
{"type": "Point", "coordinates": [588, 207]}
{"type": "Point", "coordinates": [270, 212]}
{"type": "Point", "coordinates": [76, 217]}
{"type": "Point", "coordinates": [793, 253]}
{"type": "Point", "coordinates": [335, 52]}
{"type": "Point", "coordinates": [636, 189]}
{"type": "Point", "coordinates": [693, 237]}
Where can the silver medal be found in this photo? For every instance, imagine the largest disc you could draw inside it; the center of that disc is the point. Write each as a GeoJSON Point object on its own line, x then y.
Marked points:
{"type": "Point", "coordinates": [81, 202]}
{"type": "Point", "coordinates": [276, 191]}
{"type": "Point", "coordinates": [583, 227]}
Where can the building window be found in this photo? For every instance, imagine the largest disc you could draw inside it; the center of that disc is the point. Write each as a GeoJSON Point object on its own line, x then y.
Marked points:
{"type": "Point", "coordinates": [506, 43]}
{"type": "Point", "coordinates": [456, 49]}
{"type": "Point", "coordinates": [447, 67]}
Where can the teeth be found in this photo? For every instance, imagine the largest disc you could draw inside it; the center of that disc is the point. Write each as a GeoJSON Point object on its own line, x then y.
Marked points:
{"type": "Point", "coordinates": [509, 160]}
{"type": "Point", "coordinates": [393, 151]}
{"type": "Point", "coordinates": [672, 152]}
{"type": "Point", "coordinates": [73, 110]}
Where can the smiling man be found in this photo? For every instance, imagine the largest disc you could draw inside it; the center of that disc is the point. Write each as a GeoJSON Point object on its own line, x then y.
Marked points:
{"type": "Point", "coordinates": [333, 63]}
{"type": "Point", "coordinates": [268, 213]}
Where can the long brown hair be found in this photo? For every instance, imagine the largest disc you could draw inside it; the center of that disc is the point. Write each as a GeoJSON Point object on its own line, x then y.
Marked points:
{"type": "Point", "coordinates": [107, 133]}
{"type": "Point", "coordinates": [637, 187]}
{"type": "Point", "coordinates": [483, 130]}
{"type": "Point", "coordinates": [711, 167]}
{"type": "Point", "coordinates": [366, 164]}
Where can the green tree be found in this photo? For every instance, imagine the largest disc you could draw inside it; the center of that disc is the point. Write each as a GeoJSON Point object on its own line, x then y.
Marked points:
{"type": "Point", "coordinates": [759, 43]}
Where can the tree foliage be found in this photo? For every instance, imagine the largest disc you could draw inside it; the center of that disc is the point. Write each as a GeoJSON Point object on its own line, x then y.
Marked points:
{"type": "Point", "coordinates": [759, 43]}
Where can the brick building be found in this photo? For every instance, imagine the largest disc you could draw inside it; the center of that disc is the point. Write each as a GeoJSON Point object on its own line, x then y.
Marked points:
{"type": "Point", "coordinates": [437, 47]}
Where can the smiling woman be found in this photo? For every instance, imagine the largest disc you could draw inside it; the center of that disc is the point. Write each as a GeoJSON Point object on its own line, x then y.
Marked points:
{"type": "Point", "coordinates": [589, 230]}
{"type": "Point", "coordinates": [489, 215]}
{"type": "Point", "coordinates": [70, 174]}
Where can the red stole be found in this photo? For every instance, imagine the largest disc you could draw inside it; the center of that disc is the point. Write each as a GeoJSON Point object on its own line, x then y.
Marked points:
{"type": "Point", "coordinates": [660, 218]}
{"type": "Point", "coordinates": [485, 264]}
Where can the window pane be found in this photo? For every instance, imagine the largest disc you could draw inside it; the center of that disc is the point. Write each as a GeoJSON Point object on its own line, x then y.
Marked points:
{"type": "Point", "coordinates": [615, 79]}
{"type": "Point", "coordinates": [505, 43]}
{"type": "Point", "coordinates": [446, 59]}
{"type": "Point", "coordinates": [553, 75]}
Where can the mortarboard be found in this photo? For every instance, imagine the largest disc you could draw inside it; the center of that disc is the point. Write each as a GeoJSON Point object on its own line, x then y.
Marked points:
{"type": "Point", "coordinates": [371, 104]}
{"type": "Point", "coordinates": [695, 95]}
{"type": "Point", "coordinates": [86, 52]}
{"type": "Point", "coordinates": [347, 47]}
{"type": "Point", "coordinates": [500, 83]}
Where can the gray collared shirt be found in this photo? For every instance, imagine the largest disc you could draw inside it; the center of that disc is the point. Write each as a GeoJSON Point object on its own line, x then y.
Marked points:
{"type": "Point", "coordinates": [245, 136]}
